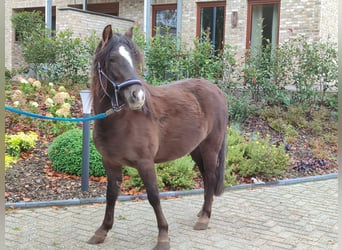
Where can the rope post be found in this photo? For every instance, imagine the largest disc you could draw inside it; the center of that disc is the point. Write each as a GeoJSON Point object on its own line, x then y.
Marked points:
{"type": "Point", "coordinates": [86, 105]}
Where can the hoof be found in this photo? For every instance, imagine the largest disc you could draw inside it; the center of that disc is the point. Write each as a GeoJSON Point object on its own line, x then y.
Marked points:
{"type": "Point", "coordinates": [201, 226]}
{"type": "Point", "coordinates": [164, 245]}
{"type": "Point", "coordinates": [96, 240]}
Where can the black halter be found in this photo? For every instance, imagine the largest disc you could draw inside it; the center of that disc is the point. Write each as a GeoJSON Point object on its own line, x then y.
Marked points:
{"type": "Point", "coordinates": [117, 87]}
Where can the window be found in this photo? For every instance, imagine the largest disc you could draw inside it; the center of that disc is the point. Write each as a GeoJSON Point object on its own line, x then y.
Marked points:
{"type": "Point", "coordinates": [262, 23]}
{"type": "Point", "coordinates": [210, 20]}
{"type": "Point", "coordinates": [164, 18]}
{"type": "Point", "coordinates": [105, 8]}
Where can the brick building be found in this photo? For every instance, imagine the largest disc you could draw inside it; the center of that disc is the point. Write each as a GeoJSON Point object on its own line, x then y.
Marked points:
{"type": "Point", "coordinates": [235, 22]}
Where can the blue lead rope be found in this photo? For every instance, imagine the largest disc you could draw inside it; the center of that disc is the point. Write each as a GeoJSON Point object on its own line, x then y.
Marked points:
{"type": "Point", "coordinates": [83, 119]}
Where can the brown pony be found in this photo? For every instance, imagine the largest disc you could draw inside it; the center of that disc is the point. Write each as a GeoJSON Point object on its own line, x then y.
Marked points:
{"type": "Point", "coordinates": [148, 125]}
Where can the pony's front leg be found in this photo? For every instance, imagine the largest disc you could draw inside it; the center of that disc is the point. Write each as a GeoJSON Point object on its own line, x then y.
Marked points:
{"type": "Point", "coordinates": [148, 175]}
{"type": "Point", "coordinates": [114, 179]}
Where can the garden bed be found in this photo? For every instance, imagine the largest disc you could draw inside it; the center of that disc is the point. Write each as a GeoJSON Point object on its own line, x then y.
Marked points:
{"type": "Point", "coordinates": [33, 179]}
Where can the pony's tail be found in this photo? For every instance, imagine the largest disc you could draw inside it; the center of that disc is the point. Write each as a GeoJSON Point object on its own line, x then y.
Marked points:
{"type": "Point", "coordinates": [221, 167]}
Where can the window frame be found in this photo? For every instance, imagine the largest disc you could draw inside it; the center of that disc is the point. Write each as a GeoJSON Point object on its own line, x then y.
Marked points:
{"type": "Point", "coordinates": [251, 3]}
{"type": "Point", "coordinates": [159, 7]}
{"type": "Point", "coordinates": [201, 5]}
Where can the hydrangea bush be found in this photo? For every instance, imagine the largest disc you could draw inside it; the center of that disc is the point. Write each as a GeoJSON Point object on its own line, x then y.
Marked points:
{"type": "Point", "coordinates": [41, 98]}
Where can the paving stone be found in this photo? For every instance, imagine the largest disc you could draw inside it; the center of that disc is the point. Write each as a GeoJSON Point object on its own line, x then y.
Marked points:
{"type": "Point", "coordinates": [301, 216]}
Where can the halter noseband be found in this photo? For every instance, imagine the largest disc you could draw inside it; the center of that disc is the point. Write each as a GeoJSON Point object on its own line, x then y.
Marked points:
{"type": "Point", "coordinates": [117, 87]}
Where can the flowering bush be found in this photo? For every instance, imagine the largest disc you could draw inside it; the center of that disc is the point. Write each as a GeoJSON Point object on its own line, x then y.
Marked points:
{"type": "Point", "coordinates": [46, 99]}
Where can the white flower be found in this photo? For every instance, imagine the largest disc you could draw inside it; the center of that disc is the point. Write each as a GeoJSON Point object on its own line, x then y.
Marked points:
{"type": "Point", "coordinates": [37, 84]}
{"type": "Point", "coordinates": [52, 91]}
{"type": "Point", "coordinates": [18, 96]}
{"type": "Point", "coordinates": [61, 89]}
{"type": "Point", "coordinates": [33, 104]}
{"type": "Point", "coordinates": [31, 80]}
{"type": "Point", "coordinates": [49, 102]}
{"type": "Point", "coordinates": [24, 81]}
{"type": "Point", "coordinates": [16, 104]}
{"type": "Point", "coordinates": [66, 105]}
{"type": "Point", "coordinates": [64, 111]}
{"type": "Point", "coordinates": [51, 84]}
{"type": "Point", "coordinates": [60, 97]}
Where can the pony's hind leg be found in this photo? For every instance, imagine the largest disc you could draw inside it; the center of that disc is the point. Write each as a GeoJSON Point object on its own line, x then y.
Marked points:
{"type": "Point", "coordinates": [197, 158]}
{"type": "Point", "coordinates": [148, 175]}
{"type": "Point", "coordinates": [114, 179]}
{"type": "Point", "coordinates": [207, 165]}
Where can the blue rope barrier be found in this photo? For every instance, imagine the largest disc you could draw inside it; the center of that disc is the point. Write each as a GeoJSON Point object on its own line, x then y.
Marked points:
{"type": "Point", "coordinates": [37, 116]}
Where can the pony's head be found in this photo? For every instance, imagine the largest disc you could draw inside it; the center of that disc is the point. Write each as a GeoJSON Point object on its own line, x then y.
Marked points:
{"type": "Point", "coordinates": [115, 70]}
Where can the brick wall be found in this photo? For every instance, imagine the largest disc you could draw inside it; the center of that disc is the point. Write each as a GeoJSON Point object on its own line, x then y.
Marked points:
{"type": "Point", "coordinates": [316, 19]}
{"type": "Point", "coordinates": [83, 23]}
{"type": "Point", "coordinates": [133, 9]}
{"type": "Point", "coordinates": [300, 18]}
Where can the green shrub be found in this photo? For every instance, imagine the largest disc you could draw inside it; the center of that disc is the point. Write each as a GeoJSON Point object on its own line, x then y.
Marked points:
{"type": "Point", "coordinates": [240, 107]}
{"type": "Point", "coordinates": [65, 153]}
{"type": "Point", "coordinates": [134, 180]}
{"type": "Point", "coordinates": [230, 177]}
{"type": "Point", "coordinates": [161, 52]}
{"type": "Point", "coordinates": [9, 160]}
{"type": "Point", "coordinates": [312, 62]}
{"type": "Point", "coordinates": [255, 157]}
{"type": "Point", "coordinates": [278, 125]}
{"type": "Point", "coordinates": [177, 174]}
{"type": "Point", "coordinates": [174, 175]}
{"type": "Point", "coordinates": [167, 59]}
{"type": "Point", "coordinates": [20, 142]}
{"type": "Point", "coordinates": [61, 57]}
{"type": "Point", "coordinates": [295, 116]}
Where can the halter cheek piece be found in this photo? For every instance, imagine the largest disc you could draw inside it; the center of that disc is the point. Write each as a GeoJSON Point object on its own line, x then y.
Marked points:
{"type": "Point", "coordinates": [117, 87]}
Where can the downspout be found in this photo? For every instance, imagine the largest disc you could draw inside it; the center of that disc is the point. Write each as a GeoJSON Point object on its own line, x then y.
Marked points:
{"type": "Point", "coordinates": [179, 18]}
{"type": "Point", "coordinates": [48, 16]}
{"type": "Point", "coordinates": [85, 4]}
{"type": "Point", "coordinates": [147, 19]}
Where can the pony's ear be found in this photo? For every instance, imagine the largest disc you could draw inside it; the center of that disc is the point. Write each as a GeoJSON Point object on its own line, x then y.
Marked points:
{"type": "Point", "coordinates": [106, 34]}
{"type": "Point", "coordinates": [129, 33]}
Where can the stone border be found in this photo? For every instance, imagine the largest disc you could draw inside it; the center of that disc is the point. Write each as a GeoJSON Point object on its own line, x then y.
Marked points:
{"type": "Point", "coordinates": [84, 201]}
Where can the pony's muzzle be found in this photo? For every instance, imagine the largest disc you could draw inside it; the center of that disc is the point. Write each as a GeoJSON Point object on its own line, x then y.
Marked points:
{"type": "Point", "coordinates": [136, 98]}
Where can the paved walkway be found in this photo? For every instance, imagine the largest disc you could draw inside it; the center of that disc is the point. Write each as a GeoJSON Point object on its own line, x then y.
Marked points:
{"type": "Point", "coordinates": [301, 216]}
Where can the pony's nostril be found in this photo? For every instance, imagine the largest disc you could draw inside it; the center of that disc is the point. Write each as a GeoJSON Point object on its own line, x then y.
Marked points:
{"type": "Point", "coordinates": [134, 94]}
{"type": "Point", "coordinates": [138, 95]}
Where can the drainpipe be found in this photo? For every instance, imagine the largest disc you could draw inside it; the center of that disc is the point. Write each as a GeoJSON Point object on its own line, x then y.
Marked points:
{"type": "Point", "coordinates": [179, 21]}
{"type": "Point", "coordinates": [147, 19]}
{"type": "Point", "coordinates": [48, 16]}
{"type": "Point", "coordinates": [85, 4]}
{"type": "Point", "coordinates": [179, 17]}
